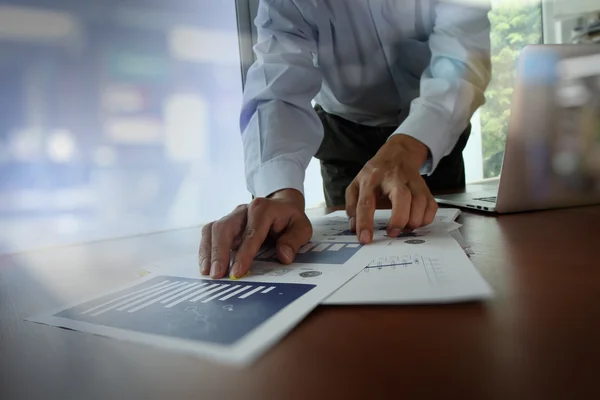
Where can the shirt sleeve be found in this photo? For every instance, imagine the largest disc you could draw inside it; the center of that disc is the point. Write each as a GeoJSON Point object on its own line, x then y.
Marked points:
{"type": "Point", "coordinates": [453, 86]}
{"type": "Point", "coordinates": [281, 131]}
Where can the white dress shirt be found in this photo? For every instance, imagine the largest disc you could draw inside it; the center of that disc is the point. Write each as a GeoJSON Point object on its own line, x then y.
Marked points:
{"type": "Point", "coordinates": [419, 65]}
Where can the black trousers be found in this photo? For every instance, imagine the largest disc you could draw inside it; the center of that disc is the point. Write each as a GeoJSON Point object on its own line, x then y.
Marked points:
{"type": "Point", "coordinates": [347, 146]}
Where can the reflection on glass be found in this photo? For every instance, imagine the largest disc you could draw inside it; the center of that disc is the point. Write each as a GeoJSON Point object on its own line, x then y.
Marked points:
{"type": "Point", "coordinates": [515, 24]}
{"type": "Point", "coordinates": [116, 119]}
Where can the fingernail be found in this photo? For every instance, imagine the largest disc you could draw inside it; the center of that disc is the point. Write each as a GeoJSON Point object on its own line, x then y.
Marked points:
{"type": "Point", "coordinates": [205, 267]}
{"type": "Point", "coordinates": [215, 269]}
{"type": "Point", "coordinates": [235, 269]}
{"type": "Point", "coordinates": [351, 223]}
{"type": "Point", "coordinates": [394, 232]}
{"type": "Point", "coordinates": [233, 276]}
{"type": "Point", "coordinates": [365, 236]}
{"type": "Point", "coordinates": [288, 253]}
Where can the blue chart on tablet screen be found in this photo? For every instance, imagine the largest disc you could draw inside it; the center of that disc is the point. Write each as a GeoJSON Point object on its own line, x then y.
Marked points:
{"type": "Point", "coordinates": [317, 253]}
{"type": "Point", "coordinates": [219, 312]}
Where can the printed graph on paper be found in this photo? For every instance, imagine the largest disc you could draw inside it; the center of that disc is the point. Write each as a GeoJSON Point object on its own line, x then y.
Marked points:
{"type": "Point", "coordinates": [335, 228]}
{"type": "Point", "coordinates": [318, 252]}
{"type": "Point", "coordinates": [342, 234]}
{"type": "Point", "coordinates": [219, 312]}
{"type": "Point", "coordinates": [383, 231]}
{"type": "Point", "coordinates": [429, 267]}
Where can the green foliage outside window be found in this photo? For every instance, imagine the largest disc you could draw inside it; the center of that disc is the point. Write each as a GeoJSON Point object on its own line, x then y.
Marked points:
{"type": "Point", "coordinates": [515, 24]}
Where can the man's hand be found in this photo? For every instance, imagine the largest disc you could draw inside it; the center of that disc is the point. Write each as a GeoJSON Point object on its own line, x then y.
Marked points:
{"type": "Point", "coordinates": [280, 217]}
{"type": "Point", "coordinates": [393, 173]}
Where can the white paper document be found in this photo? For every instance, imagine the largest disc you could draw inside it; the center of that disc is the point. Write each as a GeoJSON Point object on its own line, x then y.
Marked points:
{"type": "Point", "coordinates": [426, 265]}
{"type": "Point", "coordinates": [443, 215]}
{"type": "Point", "coordinates": [234, 322]}
{"type": "Point", "coordinates": [429, 269]}
{"type": "Point", "coordinates": [462, 242]}
{"type": "Point", "coordinates": [227, 321]}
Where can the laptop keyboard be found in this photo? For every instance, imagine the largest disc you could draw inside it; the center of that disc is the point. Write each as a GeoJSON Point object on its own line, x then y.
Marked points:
{"type": "Point", "coordinates": [488, 199]}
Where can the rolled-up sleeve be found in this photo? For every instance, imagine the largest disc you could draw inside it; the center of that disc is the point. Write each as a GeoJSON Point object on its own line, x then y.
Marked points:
{"type": "Point", "coordinates": [281, 132]}
{"type": "Point", "coordinates": [453, 86]}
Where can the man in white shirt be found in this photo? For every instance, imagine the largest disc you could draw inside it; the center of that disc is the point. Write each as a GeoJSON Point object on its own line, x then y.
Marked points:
{"type": "Point", "coordinates": [396, 84]}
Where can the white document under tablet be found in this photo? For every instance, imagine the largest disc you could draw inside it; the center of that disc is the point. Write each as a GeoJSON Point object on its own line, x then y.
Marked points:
{"type": "Point", "coordinates": [423, 266]}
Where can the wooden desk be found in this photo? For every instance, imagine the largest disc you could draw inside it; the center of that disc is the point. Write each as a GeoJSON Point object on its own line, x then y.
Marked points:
{"type": "Point", "coordinates": [538, 338]}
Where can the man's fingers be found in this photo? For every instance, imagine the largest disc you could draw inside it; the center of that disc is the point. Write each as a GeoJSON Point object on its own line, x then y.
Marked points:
{"type": "Point", "coordinates": [223, 232]}
{"type": "Point", "coordinates": [213, 254]}
{"type": "Point", "coordinates": [204, 250]}
{"type": "Point", "coordinates": [237, 241]}
{"type": "Point", "coordinates": [420, 199]}
{"type": "Point", "coordinates": [430, 211]}
{"type": "Point", "coordinates": [365, 211]}
{"type": "Point", "coordinates": [418, 206]}
{"type": "Point", "coordinates": [365, 208]}
{"type": "Point", "coordinates": [351, 202]}
{"type": "Point", "coordinates": [260, 219]}
{"type": "Point", "coordinates": [297, 234]}
{"type": "Point", "coordinates": [400, 197]}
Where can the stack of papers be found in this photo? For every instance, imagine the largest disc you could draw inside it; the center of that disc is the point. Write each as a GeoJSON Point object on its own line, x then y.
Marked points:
{"type": "Point", "coordinates": [235, 322]}
{"type": "Point", "coordinates": [428, 265]}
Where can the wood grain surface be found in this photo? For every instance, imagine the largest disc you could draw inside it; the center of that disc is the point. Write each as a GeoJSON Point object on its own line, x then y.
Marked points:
{"type": "Point", "coordinates": [538, 338]}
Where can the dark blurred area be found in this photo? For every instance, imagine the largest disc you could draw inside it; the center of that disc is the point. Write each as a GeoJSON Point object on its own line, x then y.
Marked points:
{"type": "Point", "coordinates": [116, 117]}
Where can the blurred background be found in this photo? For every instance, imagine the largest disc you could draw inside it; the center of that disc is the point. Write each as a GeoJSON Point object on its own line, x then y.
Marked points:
{"type": "Point", "coordinates": [120, 117]}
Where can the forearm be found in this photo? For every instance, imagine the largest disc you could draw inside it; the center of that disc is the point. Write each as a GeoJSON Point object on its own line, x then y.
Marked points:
{"type": "Point", "coordinates": [280, 130]}
{"type": "Point", "coordinates": [453, 86]}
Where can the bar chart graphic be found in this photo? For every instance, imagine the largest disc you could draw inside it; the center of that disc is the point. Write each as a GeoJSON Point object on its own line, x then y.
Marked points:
{"type": "Point", "coordinates": [317, 253]}
{"type": "Point", "coordinates": [219, 312]}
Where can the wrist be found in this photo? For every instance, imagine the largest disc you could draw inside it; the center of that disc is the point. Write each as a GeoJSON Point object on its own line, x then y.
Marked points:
{"type": "Point", "coordinates": [292, 196]}
{"type": "Point", "coordinates": [411, 148]}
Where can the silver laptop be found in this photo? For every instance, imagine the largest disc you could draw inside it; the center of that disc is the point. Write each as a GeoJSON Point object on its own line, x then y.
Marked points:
{"type": "Point", "coordinates": [553, 131]}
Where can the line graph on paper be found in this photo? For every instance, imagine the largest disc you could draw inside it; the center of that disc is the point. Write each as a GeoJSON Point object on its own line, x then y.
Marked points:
{"type": "Point", "coordinates": [415, 263]}
{"type": "Point", "coordinates": [195, 309]}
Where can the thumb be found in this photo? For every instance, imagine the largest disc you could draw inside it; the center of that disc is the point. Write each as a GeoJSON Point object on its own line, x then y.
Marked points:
{"type": "Point", "coordinates": [296, 235]}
